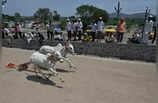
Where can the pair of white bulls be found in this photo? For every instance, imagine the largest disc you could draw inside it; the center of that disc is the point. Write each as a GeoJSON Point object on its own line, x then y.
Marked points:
{"type": "Point", "coordinates": [48, 56]}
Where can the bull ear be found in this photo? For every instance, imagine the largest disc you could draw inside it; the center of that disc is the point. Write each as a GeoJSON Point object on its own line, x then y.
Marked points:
{"type": "Point", "coordinates": [67, 42]}
{"type": "Point", "coordinates": [67, 45]}
{"type": "Point", "coordinates": [52, 52]}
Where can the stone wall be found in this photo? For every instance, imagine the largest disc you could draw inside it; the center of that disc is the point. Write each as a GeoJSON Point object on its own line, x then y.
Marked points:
{"type": "Point", "coordinates": [123, 51]}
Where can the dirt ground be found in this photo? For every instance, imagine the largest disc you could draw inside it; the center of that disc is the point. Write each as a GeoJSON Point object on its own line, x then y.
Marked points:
{"type": "Point", "coordinates": [97, 80]}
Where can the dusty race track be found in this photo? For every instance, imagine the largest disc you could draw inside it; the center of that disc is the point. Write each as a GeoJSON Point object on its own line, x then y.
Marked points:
{"type": "Point", "coordinates": [97, 80]}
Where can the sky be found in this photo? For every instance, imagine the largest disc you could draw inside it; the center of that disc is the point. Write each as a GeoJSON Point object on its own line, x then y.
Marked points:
{"type": "Point", "coordinates": [68, 7]}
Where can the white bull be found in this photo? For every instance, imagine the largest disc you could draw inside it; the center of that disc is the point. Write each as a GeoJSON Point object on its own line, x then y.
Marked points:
{"type": "Point", "coordinates": [64, 50]}
{"type": "Point", "coordinates": [43, 61]}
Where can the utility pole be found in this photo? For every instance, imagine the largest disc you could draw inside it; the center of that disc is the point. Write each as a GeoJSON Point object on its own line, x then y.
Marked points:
{"type": "Point", "coordinates": [157, 39]}
{"type": "Point", "coordinates": [1, 1]}
{"type": "Point", "coordinates": [0, 29]}
{"type": "Point", "coordinates": [118, 9]}
{"type": "Point", "coordinates": [147, 12]}
{"type": "Point", "coordinates": [2, 4]}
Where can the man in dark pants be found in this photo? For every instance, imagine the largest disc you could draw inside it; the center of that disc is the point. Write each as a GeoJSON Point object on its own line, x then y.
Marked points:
{"type": "Point", "coordinates": [100, 27]}
{"type": "Point", "coordinates": [154, 36]}
{"type": "Point", "coordinates": [94, 29]}
{"type": "Point", "coordinates": [121, 28]}
{"type": "Point", "coordinates": [3, 33]}
{"type": "Point", "coordinates": [51, 31]}
{"type": "Point", "coordinates": [155, 30]}
{"type": "Point", "coordinates": [120, 36]}
{"type": "Point", "coordinates": [80, 28]}
{"type": "Point", "coordinates": [41, 37]}
{"type": "Point", "coordinates": [48, 31]}
{"type": "Point", "coordinates": [75, 30]}
{"type": "Point", "coordinates": [69, 27]}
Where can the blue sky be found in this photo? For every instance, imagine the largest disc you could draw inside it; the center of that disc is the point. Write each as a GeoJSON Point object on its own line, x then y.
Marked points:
{"type": "Point", "coordinates": [68, 7]}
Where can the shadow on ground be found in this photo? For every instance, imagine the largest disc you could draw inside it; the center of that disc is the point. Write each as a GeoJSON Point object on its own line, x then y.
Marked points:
{"type": "Point", "coordinates": [63, 71]}
{"type": "Point", "coordinates": [57, 69]}
{"type": "Point", "coordinates": [41, 80]}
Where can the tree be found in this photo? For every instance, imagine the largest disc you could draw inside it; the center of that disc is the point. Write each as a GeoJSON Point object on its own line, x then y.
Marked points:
{"type": "Point", "coordinates": [18, 17]}
{"type": "Point", "coordinates": [43, 14]}
{"type": "Point", "coordinates": [56, 16]}
{"type": "Point", "coordinates": [90, 14]}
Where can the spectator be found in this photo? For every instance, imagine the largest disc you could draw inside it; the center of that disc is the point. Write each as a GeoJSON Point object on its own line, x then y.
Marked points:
{"type": "Point", "coordinates": [6, 31]}
{"type": "Point", "coordinates": [41, 37]}
{"type": "Point", "coordinates": [51, 31]}
{"type": "Point", "coordinates": [75, 27]}
{"type": "Point", "coordinates": [19, 29]}
{"type": "Point", "coordinates": [154, 27]}
{"type": "Point", "coordinates": [147, 29]}
{"type": "Point", "coordinates": [80, 30]}
{"type": "Point", "coordinates": [69, 28]}
{"type": "Point", "coordinates": [3, 33]}
{"type": "Point", "coordinates": [94, 29]}
{"type": "Point", "coordinates": [48, 31]}
{"type": "Point", "coordinates": [16, 32]}
{"type": "Point", "coordinates": [100, 26]}
{"type": "Point", "coordinates": [121, 29]}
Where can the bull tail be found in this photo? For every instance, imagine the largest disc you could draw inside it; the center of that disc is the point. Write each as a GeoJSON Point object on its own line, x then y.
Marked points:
{"type": "Point", "coordinates": [23, 66]}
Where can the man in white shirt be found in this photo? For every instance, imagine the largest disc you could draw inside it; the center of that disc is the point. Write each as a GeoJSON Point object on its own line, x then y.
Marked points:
{"type": "Point", "coordinates": [94, 30]}
{"type": "Point", "coordinates": [69, 28]}
{"type": "Point", "coordinates": [75, 28]}
{"type": "Point", "coordinates": [147, 29]}
{"type": "Point", "coordinates": [20, 30]}
{"type": "Point", "coordinates": [100, 26]}
{"type": "Point", "coordinates": [6, 31]}
{"type": "Point", "coordinates": [80, 26]}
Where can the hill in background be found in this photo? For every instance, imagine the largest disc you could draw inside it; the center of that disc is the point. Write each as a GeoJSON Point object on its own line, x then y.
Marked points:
{"type": "Point", "coordinates": [131, 16]}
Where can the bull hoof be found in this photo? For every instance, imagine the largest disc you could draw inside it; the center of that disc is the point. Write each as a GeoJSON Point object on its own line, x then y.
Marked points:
{"type": "Point", "coordinates": [47, 79]}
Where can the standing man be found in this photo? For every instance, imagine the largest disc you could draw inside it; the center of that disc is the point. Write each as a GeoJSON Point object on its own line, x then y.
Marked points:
{"type": "Point", "coordinates": [121, 29]}
{"type": "Point", "coordinates": [19, 27]}
{"type": "Point", "coordinates": [94, 30]}
{"type": "Point", "coordinates": [16, 32]}
{"type": "Point", "coordinates": [48, 31]}
{"type": "Point", "coordinates": [69, 27]}
{"type": "Point", "coordinates": [155, 29]}
{"type": "Point", "coordinates": [51, 31]}
{"type": "Point", "coordinates": [75, 27]}
{"type": "Point", "coordinates": [100, 26]}
{"type": "Point", "coordinates": [6, 30]}
{"type": "Point", "coordinates": [147, 29]}
{"type": "Point", "coordinates": [80, 28]}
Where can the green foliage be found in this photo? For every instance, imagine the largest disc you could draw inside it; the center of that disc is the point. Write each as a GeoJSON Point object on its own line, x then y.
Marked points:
{"type": "Point", "coordinates": [30, 18]}
{"type": "Point", "coordinates": [43, 14]}
{"type": "Point", "coordinates": [112, 21]}
{"type": "Point", "coordinates": [63, 23]}
{"type": "Point", "coordinates": [56, 16]}
{"type": "Point", "coordinates": [18, 17]}
{"type": "Point", "coordinates": [90, 14]}
{"type": "Point", "coordinates": [7, 18]}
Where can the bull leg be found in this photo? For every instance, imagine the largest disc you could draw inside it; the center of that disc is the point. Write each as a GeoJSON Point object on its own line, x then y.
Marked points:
{"type": "Point", "coordinates": [53, 66]}
{"type": "Point", "coordinates": [70, 63]}
{"type": "Point", "coordinates": [56, 74]}
{"type": "Point", "coordinates": [53, 71]}
{"type": "Point", "coordinates": [35, 68]}
{"type": "Point", "coordinates": [43, 74]}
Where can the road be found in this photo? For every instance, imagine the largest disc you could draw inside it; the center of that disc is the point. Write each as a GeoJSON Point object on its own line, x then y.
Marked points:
{"type": "Point", "coordinates": [97, 80]}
